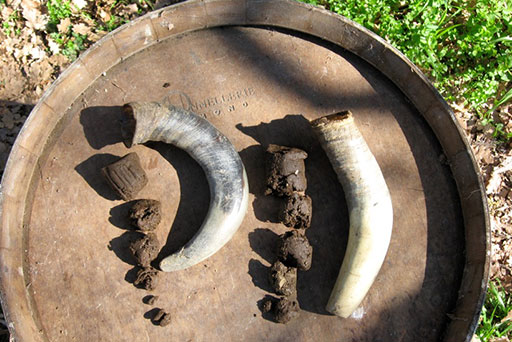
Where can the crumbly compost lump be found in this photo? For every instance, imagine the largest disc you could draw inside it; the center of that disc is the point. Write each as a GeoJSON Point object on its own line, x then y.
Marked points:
{"type": "Point", "coordinates": [295, 250]}
{"type": "Point", "coordinates": [150, 300]}
{"type": "Point", "coordinates": [126, 176]}
{"type": "Point", "coordinates": [283, 279]}
{"type": "Point", "coordinates": [145, 249]}
{"type": "Point", "coordinates": [145, 214]}
{"type": "Point", "coordinates": [147, 278]}
{"type": "Point", "coordinates": [284, 309]}
{"type": "Point", "coordinates": [296, 211]}
{"type": "Point", "coordinates": [162, 318]}
{"type": "Point", "coordinates": [286, 171]}
{"type": "Point", "coordinates": [267, 306]}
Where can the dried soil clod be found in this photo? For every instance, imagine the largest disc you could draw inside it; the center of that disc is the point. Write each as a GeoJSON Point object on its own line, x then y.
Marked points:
{"type": "Point", "coordinates": [150, 300]}
{"type": "Point", "coordinates": [267, 306]}
{"type": "Point", "coordinates": [145, 249]}
{"type": "Point", "coordinates": [283, 279]}
{"type": "Point", "coordinates": [147, 278]}
{"type": "Point", "coordinates": [159, 315]}
{"type": "Point", "coordinates": [162, 318]}
{"type": "Point", "coordinates": [145, 214]}
{"type": "Point", "coordinates": [285, 170]}
{"type": "Point", "coordinates": [285, 310]}
{"type": "Point", "coordinates": [166, 319]}
{"type": "Point", "coordinates": [126, 176]}
{"type": "Point", "coordinates": [295, 250]}
{"type": "Point", "coordinates": [296, 211]}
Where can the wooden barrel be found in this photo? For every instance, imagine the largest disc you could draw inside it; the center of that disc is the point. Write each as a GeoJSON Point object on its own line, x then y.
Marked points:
{"type": "Point", "coordinates": [258, 70]}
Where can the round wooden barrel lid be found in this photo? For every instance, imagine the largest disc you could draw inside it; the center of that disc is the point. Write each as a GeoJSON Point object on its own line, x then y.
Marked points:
{"type": "Point", "coordinates": [258, 70]}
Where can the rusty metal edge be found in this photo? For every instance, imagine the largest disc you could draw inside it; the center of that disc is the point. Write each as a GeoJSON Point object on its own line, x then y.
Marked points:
{"type": "Point", "coordinates": [242, 12]}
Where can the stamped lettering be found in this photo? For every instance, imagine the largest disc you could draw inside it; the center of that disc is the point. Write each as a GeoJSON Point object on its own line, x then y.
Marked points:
{"type": "Point", "coordinates": [216, 105]}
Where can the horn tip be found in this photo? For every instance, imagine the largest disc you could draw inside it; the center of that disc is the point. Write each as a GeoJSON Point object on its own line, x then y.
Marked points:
{"type": "Point", "coordinates": [174, 262]}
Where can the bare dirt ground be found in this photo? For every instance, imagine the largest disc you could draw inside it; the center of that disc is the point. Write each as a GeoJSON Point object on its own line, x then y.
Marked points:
{"type": "Point", "coordinates": [30, 61]}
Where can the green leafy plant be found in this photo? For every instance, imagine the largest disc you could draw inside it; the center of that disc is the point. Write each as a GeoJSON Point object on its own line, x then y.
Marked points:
{"type": "Point", "coordinates": [117, 20]}
{"type": "Point", "coordinates": [57, 10]}
{"type": "Point", "coordinates": [496, 317]}
{"type": "Point", "coordinates": [113, 23]}
{"type": "Point", "coordinates": [71, 43]}
{"type": "Point", "coordinates": [9, 25]}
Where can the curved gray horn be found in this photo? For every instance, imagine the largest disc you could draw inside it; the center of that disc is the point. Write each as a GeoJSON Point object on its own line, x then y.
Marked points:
{"type": "Point", "coordinates": [229, 191]}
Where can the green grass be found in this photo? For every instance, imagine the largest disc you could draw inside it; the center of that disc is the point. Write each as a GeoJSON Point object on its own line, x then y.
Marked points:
{"type": "Point", "coordinates": [464, 46]}
{"type": "Point", "coordinates": [494, 320]}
